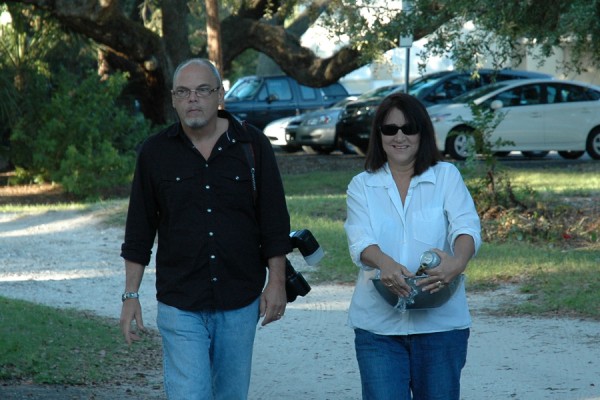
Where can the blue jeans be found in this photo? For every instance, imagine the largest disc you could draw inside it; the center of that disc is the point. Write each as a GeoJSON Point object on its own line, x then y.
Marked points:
{"type": "Point", "coordinates": [420, 367]}
{"type": "Point", "coordinates": [207, 355]}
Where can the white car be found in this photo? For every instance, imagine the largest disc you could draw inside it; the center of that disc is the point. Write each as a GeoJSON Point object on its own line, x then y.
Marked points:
{"type": "Point", "coordinates": [539, 115]}
{"type": "Point", "coordinates": [275, 131]}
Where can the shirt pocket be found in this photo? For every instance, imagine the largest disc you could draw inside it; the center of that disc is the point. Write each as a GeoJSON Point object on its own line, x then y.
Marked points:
{"type": "Point", "coordinates": [429, 226]}
{"type": "Point", "coordinates": [236, 189]}
{"type": "Point", "coordinates": [179, 189]}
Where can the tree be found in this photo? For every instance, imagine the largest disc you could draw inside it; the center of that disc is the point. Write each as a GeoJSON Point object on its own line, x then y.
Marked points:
{"type": "Point", "coordinates": [168, 32]}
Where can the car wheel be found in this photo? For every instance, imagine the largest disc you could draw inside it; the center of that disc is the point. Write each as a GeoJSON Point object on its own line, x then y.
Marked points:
{"type": "Point", "coordinates": [593, 144]}
{"type": "Point", "coordinates": [344, 146]}
{"type": "Point", "coordinates": [535, 154]}
{"type": "Point", "coordinates": [459, 143]}
{"type": "Point", "coordinates": [571, 155]}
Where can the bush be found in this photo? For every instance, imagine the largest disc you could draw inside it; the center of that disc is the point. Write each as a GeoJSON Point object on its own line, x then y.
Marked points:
{"type": "Point", "coordinates": [81, 137]}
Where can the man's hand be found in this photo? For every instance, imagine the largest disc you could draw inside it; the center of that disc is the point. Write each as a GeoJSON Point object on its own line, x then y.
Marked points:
{"type": "Point", "coordinates": [273, 299]}
{"type": "Point", "coordinates": [272, 303]}
{"type": "Point", "coordinates": [131, 311]}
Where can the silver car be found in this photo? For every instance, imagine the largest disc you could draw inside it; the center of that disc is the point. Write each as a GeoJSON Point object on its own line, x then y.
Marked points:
{"type": "Point", "coordinates": [315, 131]}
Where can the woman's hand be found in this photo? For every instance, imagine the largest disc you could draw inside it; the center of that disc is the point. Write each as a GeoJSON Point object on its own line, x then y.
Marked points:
{"type": "Point", "coordinates": [392, 273]}
{"type": "Point", "coordinates": [393, 277]}
{"type": "Point", "coordinates": [450, 267]}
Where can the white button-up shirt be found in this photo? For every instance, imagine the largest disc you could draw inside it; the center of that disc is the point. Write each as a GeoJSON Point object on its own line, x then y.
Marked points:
{"type": "Point", "coordinates": [437, 209]}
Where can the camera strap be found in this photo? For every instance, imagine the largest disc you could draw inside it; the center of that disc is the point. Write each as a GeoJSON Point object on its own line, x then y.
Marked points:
{"type": "Point", "coordinates": [249, 151]}
{"type": "Point", "coordinates": [295, 284]}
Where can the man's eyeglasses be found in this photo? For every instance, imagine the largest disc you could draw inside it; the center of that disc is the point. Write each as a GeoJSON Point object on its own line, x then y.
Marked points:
{"type": "Point", "coordinates": [391, 129]}
{"type": "Point", "coordinates": [184, 93]}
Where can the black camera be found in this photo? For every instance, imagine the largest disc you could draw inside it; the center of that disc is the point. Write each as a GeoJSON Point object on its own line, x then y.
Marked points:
{"type": "Point", "coordinates": [295, 284]}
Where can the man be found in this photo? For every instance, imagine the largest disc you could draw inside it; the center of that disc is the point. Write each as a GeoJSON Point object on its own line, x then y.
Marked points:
{"type": "Point", "coordinates": [210, 187]}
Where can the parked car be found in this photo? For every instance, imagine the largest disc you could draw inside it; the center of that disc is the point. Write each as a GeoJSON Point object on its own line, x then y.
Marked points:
{"type": "Point", "coordinates": [538, 115]}
{"type": "Point", "coordinates": [275, 131]}
{"type": "Point", "coordinates": [315, 131]}
{"type": "Point", "coordinates": [260, 100]}
{"type": "Point", "coordinates": [439, 87]}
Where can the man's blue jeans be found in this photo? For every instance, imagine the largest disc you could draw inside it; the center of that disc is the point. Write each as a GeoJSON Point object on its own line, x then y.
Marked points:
{"type": "Point", "coordinates": [419, 367]}
{"type": "Point", "coordinates": [207, 355]}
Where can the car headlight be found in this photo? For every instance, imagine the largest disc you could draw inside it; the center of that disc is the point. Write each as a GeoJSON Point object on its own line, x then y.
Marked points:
{"type": "Point", "coordinates": [320, 120]}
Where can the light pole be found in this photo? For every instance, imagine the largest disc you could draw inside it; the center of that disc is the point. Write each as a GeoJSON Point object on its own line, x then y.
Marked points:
{"type": "Point", "coordinates": [406, 43]}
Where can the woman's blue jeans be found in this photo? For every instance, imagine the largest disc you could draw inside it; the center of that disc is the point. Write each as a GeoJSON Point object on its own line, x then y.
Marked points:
{"type": "Point", "coordinates": [207, 355]}
{"type": "Point", "coordinates": [419, 367]}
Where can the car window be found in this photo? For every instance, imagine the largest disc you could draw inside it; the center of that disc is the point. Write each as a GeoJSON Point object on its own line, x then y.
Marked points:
{"type": "Point", "coordinates": [477, 93]}
{"type": "Point", "coordinates": [520, 96]}
{"type": "Point", "coordinates": [377, 92]}
{"type": "Point", "coordinates": [554, 94]}
{"type": "Point", "coordinates": [335, 90]}
{"type": "Point", "coordinates": [280, 88]}
{"type": "Point", "coordinates": [456, 86]}
{"type": "Point", "coordinates": [424, 84]}
{"type": "Point", "coordinates": [573, 93]}
{"type": "Point", "coordinates": [307, 93]}
{"type": "Point", "coordinates": [244, 89]}
{"type": "Point", "coordinates": [263, 94]}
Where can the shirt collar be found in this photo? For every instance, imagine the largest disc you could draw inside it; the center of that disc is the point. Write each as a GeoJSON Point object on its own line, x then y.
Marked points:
{"type": "Point", "coordinates": [383, 177]}
{"type": "Point", "coordinates": [237, 129]}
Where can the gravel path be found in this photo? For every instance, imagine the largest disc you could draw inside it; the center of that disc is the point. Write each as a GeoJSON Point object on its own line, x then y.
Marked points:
{"type": "Point", "coordinates": [67, 259]}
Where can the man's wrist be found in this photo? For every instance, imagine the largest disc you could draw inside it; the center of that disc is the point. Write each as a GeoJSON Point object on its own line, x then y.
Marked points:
{"type": "Point", "coordinates": [129, 295]}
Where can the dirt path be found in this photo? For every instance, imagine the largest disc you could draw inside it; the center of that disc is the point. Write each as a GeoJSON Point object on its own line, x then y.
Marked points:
{"type": "Point", "coordinates": [51, 257]}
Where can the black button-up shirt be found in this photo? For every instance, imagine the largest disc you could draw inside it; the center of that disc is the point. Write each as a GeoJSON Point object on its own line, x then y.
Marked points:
{"type": "Point", "coordinates": [214, 229]}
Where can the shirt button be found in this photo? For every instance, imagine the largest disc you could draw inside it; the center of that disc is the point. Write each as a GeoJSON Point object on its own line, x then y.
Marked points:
{"type": "Point", "coordinates": [214, 279]}
{"type": "Point", "coordinates": [209, 210]}
{"type": "Point", "coordinates": [220, 148]}
{"type": "Point", "coordinates": [237, 178]}
{"type": "Point", "coordinates": [178, 179]}
{"type": "Point", "coordinates": [211, 234]}
{"type": "Point", "coordinates": [207, 186]}
{"type": "Point", "coordinates": [212, 257]}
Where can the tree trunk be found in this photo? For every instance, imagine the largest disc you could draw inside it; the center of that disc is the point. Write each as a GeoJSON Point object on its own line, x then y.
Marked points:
{"type": "Point", "coordinates": [213, 33]}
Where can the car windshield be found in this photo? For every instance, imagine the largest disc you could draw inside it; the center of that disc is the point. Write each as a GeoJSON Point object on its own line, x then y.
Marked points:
{"type": "Point", "coordinates": [378, 92]}
{"type": "Point", "coordinates": [244, 89]}
{"type": "Point", "coordinates": [477, 93]}
{"type": "Point", "coordinates": [420, 84]}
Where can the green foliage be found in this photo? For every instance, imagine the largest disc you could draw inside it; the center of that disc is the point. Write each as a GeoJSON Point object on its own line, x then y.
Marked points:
{"type": "Point", "coordinates": [489, 186]}
{"type": "Point", "coordinates": [62, 347]}
{"type": "Point", "coordinates": [80, 137]}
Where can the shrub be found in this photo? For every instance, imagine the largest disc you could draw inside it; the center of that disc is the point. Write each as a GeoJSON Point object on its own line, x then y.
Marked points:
{"type": "Point", "coordinates": [81, 137]}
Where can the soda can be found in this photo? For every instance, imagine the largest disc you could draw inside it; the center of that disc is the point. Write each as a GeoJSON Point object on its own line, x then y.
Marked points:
{"type": "Point", "coordinates": [429, 259]}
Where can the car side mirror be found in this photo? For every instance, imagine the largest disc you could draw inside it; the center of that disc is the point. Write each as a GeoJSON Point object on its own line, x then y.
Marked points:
{"type": "Point", "coordinates": [496, 105]}
{"type": "Point", "coordinates": [272, 98]}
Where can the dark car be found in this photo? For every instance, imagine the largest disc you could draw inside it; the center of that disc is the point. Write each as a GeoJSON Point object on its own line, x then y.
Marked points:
{"type": "Point", "coordinates": [263, 99]}
{"type": "Point", "coordinates": [354, 126]}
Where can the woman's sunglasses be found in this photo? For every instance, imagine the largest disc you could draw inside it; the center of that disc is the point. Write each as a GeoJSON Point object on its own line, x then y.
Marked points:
{"type": "Point", "coordinates": [391, 129]}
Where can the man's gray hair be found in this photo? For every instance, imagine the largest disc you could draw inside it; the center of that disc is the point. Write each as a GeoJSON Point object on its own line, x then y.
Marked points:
{"type": "Point", "coordinates": [199, 61]}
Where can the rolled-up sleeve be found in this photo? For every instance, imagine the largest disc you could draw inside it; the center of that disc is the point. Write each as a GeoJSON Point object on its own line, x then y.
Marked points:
{"type": "Point", "coordinates": [358, 225]}
{"type": "Point", "coordinates": [142, 215]}
{"type": "Point", "coordinates": [460, 210]}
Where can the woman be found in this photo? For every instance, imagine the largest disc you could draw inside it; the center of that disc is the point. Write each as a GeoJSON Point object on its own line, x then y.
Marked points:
{"type": "Point", "coordinates": [406, 202]}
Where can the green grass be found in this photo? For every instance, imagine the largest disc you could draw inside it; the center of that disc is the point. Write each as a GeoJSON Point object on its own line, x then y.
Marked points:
{"type": "Point", "coordinates": [74, 348]}
{"type": "Point", "coordinates": [54, 346]}
{"type": "Point", "coordinates": [557, 281]}
{"type": "Point", "coordinates": [579, 180]}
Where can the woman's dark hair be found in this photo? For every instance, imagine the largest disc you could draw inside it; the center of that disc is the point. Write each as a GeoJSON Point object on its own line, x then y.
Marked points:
{"type": "Point", "coordinates": [415, 114]}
